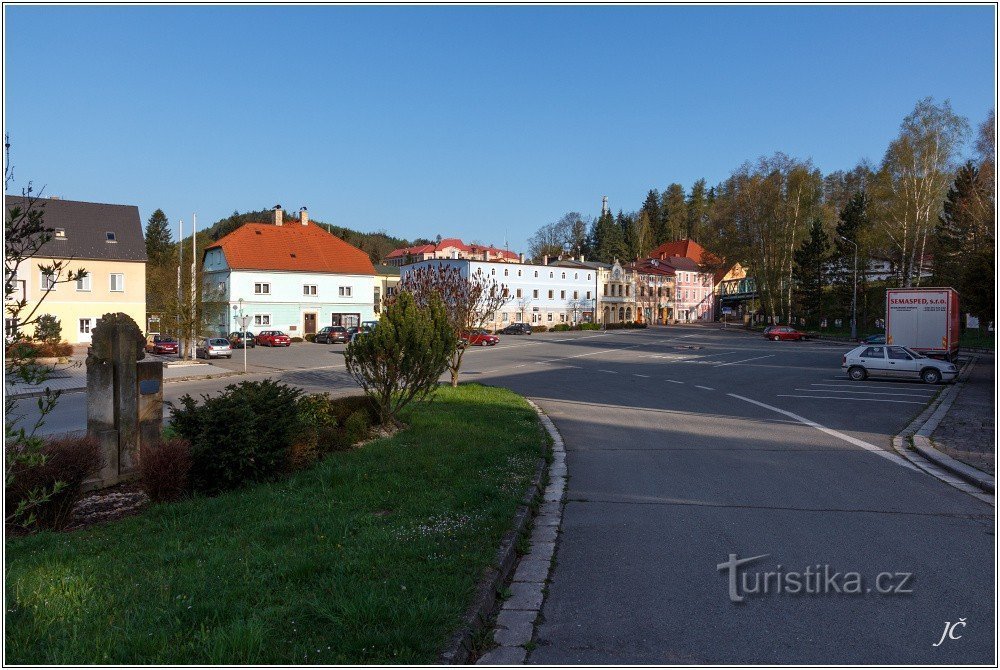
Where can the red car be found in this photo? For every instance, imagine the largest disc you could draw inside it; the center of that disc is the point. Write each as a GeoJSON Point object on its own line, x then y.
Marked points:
{"type": "Point", "coordinates": [776, 333]}
{"type": "Point", "coordinates": [480, 337]}
{"type": "Point", "coordinates": [159, 344]}
{"type": "Point", "coordinates": [273, 338]}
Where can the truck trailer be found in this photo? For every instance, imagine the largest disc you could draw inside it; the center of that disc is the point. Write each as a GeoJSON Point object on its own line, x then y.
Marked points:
{"type": "Point", "coordinates": [925, 320]}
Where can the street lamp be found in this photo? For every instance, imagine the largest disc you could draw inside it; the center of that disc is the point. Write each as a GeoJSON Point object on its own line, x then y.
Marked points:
{"type": "Point", "coordinates": [243, 330]}
{"type": "Point", "coordinates": [854, 295]}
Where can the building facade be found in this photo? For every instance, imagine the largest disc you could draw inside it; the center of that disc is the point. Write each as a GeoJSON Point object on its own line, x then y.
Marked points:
{"type": "Point", "coordinates": [451, 248]}
{"type": "Point", "coordinates": [289, 275]}
{"type": "Point", "coordinates": [106, 241]}
{"type": "Point", "coordinates": [654, 288]}
{"type": "Point", "coordinates": [386, 284]}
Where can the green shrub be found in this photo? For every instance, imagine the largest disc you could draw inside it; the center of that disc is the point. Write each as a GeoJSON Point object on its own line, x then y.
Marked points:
{"type": "Point", "coordinates": [240, 436]}
{"type": "Point", "coordinates": [330, 438]}
{"type": "Point", "coordinates": [304, 450]}
{"type": "Point", "coordinates": [311, 337]}
{"type": "Point", "coordinates": [44, 490]}
{"type": "Point", "coordinates": [48, 329]}
{"type": "Point", "coordinates": [560, 328]}
{"type": "Point", "coordinates": [297, 339]}
{"type": "Point", "coordinates": [165, 469]}
{"type": "Point", "coordinates": [590, 326]}
{"type": "Point", "coordinates": [343, 407]}
{"type": "Point", "coordinates": [357, 427]}
{"type": "Point", "coordinates": [318, 410]}
{"type": "Point", "coordinates": [27, 350]}
{"type": "Point", "coordinates": [539, 329]}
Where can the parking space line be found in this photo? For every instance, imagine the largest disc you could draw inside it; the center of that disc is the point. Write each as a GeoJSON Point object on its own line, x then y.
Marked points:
{"type": "Point", "coordinates": [707, 388]}
{"type": "Point", "coordinates": [635, 374]}
{"type": "Point", "coordinates": [610, 372]}
{"type": "Point", "coordinates": [923, 387]}
{"type": "Point", "coordinates": [720, 365]}
{"type": "Point", "coordinates": [673, 381]}
{"type": "Point", "coordinates": [841, 397]}
{"type": "Point", "coordinates": [845, 380]}
{"type": "Point", "coordinates": [911, 395]}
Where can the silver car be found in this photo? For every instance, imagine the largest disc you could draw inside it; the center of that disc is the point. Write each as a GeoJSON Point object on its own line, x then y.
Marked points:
{"type": "Point", "coordinates": [897, 363]}
{"type": "Point", "coordinates": [214, 347]}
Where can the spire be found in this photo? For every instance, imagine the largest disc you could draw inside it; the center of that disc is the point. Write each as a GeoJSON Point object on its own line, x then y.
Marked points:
{"type": "Point", "coordinates": [604, 205]}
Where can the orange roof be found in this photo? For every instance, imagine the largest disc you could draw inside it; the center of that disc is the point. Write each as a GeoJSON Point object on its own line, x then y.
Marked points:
{"type": "Point", "coordinates": [684, 248]}
{"type": "Point", "coordinates": [291, 247]}
{"type": "Point", "coordinates": [454, 243]}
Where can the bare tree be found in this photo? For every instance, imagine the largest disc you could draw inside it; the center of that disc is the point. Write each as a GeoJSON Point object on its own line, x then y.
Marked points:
{"type": "Point", "coordinates": [471, 302]}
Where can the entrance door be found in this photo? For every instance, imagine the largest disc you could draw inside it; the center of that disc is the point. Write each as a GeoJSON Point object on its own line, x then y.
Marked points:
{"type": "Point", "coordinates": [85, 326]}
{"type": "Point", "coordinates": [310, 323]}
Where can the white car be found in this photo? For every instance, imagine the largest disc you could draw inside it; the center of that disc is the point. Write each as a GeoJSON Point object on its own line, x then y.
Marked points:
{"type": "Point", "coordinates": [880, 360]}
{"type": "Point", "coordinates": [214, 347]}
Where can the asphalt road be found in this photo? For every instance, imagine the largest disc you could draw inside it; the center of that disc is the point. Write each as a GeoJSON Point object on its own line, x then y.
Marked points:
{"type": "Point", "coordinates": [686, 445]}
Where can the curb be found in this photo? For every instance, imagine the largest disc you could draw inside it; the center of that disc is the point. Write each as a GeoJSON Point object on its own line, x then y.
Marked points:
{"type": "Point", "coordinates": [77, 389]}
{"type": "Point", "coordinates": [941, 465]}
{"type": "Point", "coordinates": [460, 647]}
{"type": "Point", "coordinates": [519, 614]}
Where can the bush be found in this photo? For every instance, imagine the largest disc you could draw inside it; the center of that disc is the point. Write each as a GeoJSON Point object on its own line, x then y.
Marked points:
{"type": "Point", "coordinates": [330, 438]}
{"type": "Point", "coordinates": [560, 328]}
{"type": "Point", "coordinates": [357, 427]}
{"type": "Point", "coordinates": [165, 469]}
{"type": "Point", "coordinates": [240, 436]}
{"type": "Point", "coordinates": [48, 329]}
{"type": "Point", "coordinates": [539, 329]}
{"type": "Point", "coordinates": [623, 325]}
{"type": "Point", "coordinates": [28, 350]}
{"type": "Point", "coordinates": [49, 486]}
{"type": "Point", "coordinates": [297, 339]}
{"type": "Point", "coordinates": [304, 450]}
{"type": "Point", "coordinates": [318, 410]}
{"type": "Point", "coordinates": [590, 326]}
{"type": "Point", "coordinates": [311, 337]}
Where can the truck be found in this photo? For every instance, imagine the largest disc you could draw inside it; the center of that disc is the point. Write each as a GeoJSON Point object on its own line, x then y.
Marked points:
{"type": "Point", "coordinates": [925, 320]}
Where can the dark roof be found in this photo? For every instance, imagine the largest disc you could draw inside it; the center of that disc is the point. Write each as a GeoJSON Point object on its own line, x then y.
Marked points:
{"type": "Point", "coordinates": [682, 263]}
{"type": "Point", "coordinates": [386, 269]}
{"type": "Point", "coordinates": [87, 225]}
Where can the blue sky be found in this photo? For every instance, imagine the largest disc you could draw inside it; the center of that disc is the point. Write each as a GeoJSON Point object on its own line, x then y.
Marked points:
{"type": "Point", "coordinates": [479, 122]}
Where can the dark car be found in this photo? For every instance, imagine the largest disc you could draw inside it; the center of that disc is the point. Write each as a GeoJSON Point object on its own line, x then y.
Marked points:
{"type": "Point", "coordinates": [874, 339]}
{"type": "Point", "coordinates": [238, 339]}
{"type": "Point", "coordinates": [160, 344]}
{"type": "Point", "coordinates": [517, 329]}
{"type": "Point", "coordinates": [273, 338]}
{"type": "Point", "coordinates": [366, 327]}
{"type": "Point", "coordinates": [776, 333]}
{"type": "Point", "coordinates": [332, 334]}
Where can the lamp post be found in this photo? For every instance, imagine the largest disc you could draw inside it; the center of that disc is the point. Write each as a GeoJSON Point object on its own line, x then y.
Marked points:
{"type": "Point", "coordinates": [242, 320]}
{"type": "Point", "coordinates": [854, 295]}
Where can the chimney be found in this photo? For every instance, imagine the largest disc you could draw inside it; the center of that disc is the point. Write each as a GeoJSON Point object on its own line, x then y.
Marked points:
{"type": "Point", "coordinates": [545, 259]}
{"type": "Point", "coordinates": [278, 215]}
{"type": "Point", "coordinates": [304, 215]}
{"type": "Point", "coordinates": [520, 257]}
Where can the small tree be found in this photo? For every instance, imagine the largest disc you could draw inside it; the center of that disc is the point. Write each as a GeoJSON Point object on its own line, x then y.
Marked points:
{"type": "Point", "coordinates": [402, 359]}
{"type": "Point", "coordinates": [470, 302]}
{"type": "Point", "coordinates": [48, 329]}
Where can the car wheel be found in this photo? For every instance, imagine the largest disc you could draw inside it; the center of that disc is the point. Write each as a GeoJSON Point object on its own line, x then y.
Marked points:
{"type": "Point", "coordinates": [930, 375]}
{"type": "Point", "coordinates": [857, 373]}
{"type": "Point", "coordinates": [774, 338]}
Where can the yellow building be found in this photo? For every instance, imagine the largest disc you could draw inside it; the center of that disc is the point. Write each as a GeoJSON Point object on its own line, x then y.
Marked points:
{"type": "Point", "coordinates": [386, 283]}
{"type": "Point", "coordinates": [106, 241]}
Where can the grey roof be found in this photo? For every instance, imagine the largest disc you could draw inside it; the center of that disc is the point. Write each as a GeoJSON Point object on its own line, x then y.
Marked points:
{"type": "Point", "coordinates": [87, 225]}
{"type": "Point", "coordinates": [386, 270]}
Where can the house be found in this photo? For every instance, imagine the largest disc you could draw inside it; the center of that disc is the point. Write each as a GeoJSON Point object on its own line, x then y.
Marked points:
{"type": "Point", "coordinates": [615, 289]}
{"type": "Point", "coordinates": [290, 275]}
{"type": "Point", "coordinates": [694, 298]}
{"type": "Point", "coordinates": [105, 240]}
{"type": "Point", "coordinates": [386, 284]}
{"type": "Point", "coordinates": [654, 290]}
{"type": "Point", "coordinates": [452, 248]}
{"type": "Point", "coordinates": [541, 295]}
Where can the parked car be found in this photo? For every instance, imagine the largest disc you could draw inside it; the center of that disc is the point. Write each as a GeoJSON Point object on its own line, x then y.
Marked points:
{"type": "Point", "coordinates": [776, 333]}
{"type": "Point", "coordinates": [273, 338]}
{"type": "Point", "coordinates": [213, 347]}
{"type": "Point", "coordinates": [161, 344]}
{"type": "Point", "coordinates": [366, 327]}
{"type": "Point", "coordinates": [895, 362]}
{"type": "Point", "coordinates": [237, 340]}
{"type": "Point", "coordinates": [517, 329]}
{"type": "Point", "coordinates": [331, 335]}
{"type": "Point", "coordinates": [874, 339]}
{"type": "Point", "coordinates": [480, 337]}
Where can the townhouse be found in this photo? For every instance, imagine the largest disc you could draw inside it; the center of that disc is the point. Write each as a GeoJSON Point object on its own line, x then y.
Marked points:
{"type": "Point", "coordinates": [290, 275]}
{"type": "Point", "coordinates": [105, 240]}
{"type": "Point", "coordinates": [694, 282]}
{"type": "Point", "coordinates": [654, 290]}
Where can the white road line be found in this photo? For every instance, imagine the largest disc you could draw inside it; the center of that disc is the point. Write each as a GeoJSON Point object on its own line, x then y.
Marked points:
{"type": "Point", "coordinates": [840, 397]}
{"type": "Point", "coordinates": [673, 381]}
{"type": "Point", "coordinates": [610, 372]}
{"type": "Point", "coordinates": [909, 395]}
{"type": "Point", "coordinates": [720, 365]}
{"type": "Point", "coordinates": [844, 380]}
{"type": "Point", "coordinates": [635, 374]}
{"type": "Point", "coordinates": [898, 460]}
{"type": "Point", "coordinates": [707, 388]}
{"type": "Point", "coordinates": [924, 388]}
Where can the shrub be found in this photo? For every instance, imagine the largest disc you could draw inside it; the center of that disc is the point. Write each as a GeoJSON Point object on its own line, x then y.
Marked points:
{"type": "Point", "coordinates": [539, 329]}
{"type": "Point", "coordinates": [560, 328]}
{"type": "Point", "coordinates": [240, 436]}
{"type": "Point", "coordinates": [357, 427]}
{"type": "Point", "coordinates": [304, 450]}
{"type": "Point", "coordinates": [403, 357]}
{"type": "Point", "coordinates": [317, 409]}
{"type": "Point", "coordinates": [590, 326]}
{"type": "Point", "coordinates": [47, 487]}
{"type": "Point", "coordinates": [297, 339]}
{"type": "Point", "coordinates": [28, 350]}
{"type": "Point", "coordinates": [330, 438]}
{"type": "Point", "coordinates": [311, 337]}
{"type": "Point", "coordinates": [165, 469]}
{"type": "Point", "coordinates": [48, 329]}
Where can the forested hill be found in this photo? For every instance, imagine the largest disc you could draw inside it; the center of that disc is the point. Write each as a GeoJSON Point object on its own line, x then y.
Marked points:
{"type": "Point", "coordinates": [376, 245]}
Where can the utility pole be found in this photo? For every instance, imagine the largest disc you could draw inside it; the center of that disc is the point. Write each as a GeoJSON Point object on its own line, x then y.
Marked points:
{"type": "Point", "coordinates": [180, 296]}
{"type": "Point", "coordinates": [194, 301]}
{"type": "Point", "coordinates": [854, 295]}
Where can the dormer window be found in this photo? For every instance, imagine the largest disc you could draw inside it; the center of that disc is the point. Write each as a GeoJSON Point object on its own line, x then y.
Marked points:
{"type": "Point", "coordinates": [59, 233]}
{"type": "Point", "coordinates": [111, 237]}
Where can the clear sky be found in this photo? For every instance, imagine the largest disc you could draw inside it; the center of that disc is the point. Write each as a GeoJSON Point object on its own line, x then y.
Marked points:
{"type": "Point", "coordinates": [476, 122]}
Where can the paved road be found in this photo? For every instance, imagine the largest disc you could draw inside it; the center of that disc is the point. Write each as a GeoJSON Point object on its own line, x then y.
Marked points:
{"type": "Point", "coordinates": [688, 444]}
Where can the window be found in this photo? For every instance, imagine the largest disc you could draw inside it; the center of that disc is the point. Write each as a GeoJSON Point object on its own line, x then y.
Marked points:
{"type": "Point", "coordinates": [536, 273]}
{"type": "Point", "coordinates": [309, 289]}
{"type": "Point", "coordinates": [562, 318]}
{"type": "Point", "coordinates": [110, 237]}
{"type": "Point", "coordinates": [48, 281]}
{"type": "Point", "coordinates": [873, 352]}
{"type": "Point", "coordinates": [551, 293]}
{"type": "Point", "coordinates": [628, 290]}
{"type": "Point", "coordinates": [10, 327]}
{"type": "Point", "coordinates": [518, 273]}
{"type": "Point", "coordinates": [550, 316]}
{"type": "Point", "coordinates": [576, 275]}
{"type": "Point", "coordinates": [262, 289]}
{"type": "Point", "coordinates": [60, 233]}
{"type": "Point", "coordinates": [534, 293]}
{"type": "Point", "coordinates": [551, 275]}
{"type": "Point", "coordinates": [83, 283]}
{"type": "Point", "coordinates": [117, 282]}
{"type": "Point", "coordinates": [493, 271]}
{"type": "Point", "coordinates": [562, 295]}
{"type": "Point", "coordinates": [505, 317]}
{"type": "Point", "coordinates": [262, 319]}
{"type": "Point", "coordinates": [518, 293]}
{"type": "Point", "coordinates": [605, 289]}
{"type": "Point", "coordinates": [345, 291]}
{"type": "Point", "coordinates": [221, 286]}
{"type": "Point", "coordinates": [506, 273]}
{"type": "Point", "coordinates": [85, 326]}
{"type": "Point", "coordinates": [898, 354]}
{"type": "Point", "coordinates": [588, 295]}
{"type": "Point", "coordinates": [588, 275]}
{"type": "Point", "coordinates": [564, 275]}
{"type": "Point", "coordinates": [576, 294]}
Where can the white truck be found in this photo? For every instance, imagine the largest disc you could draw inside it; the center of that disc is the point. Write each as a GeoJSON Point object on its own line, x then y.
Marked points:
{"type": "Point", "coordinates": [923, 319]}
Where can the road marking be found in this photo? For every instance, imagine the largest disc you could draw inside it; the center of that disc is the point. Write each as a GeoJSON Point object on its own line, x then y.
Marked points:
{"type": "Point", "coordinates": [840, 397]}
{"type": "Point", "coordinates": [923, 387]}
{"type": "Point", "coordinates": [719, 365]}
{"type": "Point", "coordinates": [673, 381]}
{"type": "Point", "coordinates": [898, 460]}
{"type": "Point", "coordinates": [610, 372]}
{"type": "Point", "coordinates": [635, 374]}
{"type": "Point", "coordinates": [707, 388]}
{"type": "Point", "coordinates": [844, 380]}
{"type": "Point", "coordinates": [910, 395]}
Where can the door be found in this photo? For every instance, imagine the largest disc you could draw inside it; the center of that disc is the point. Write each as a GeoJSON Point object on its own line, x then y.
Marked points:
{"type": "Point", "coordinates": [85, 326]}
{"type": "Point", "coordinates": [874, 361]}
{"type": "Point", "coordinates": [310, 323]}
{"type": "Point", "coordinates": [901, 364]}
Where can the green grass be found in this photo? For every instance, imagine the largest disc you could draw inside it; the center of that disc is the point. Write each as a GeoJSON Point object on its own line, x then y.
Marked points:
{"type": "Point", "coordinates": [369, 557]}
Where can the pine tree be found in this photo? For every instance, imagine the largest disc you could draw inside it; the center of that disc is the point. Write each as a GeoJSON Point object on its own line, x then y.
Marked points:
{"type": "Point", "coordinates": [854, 224]}
{"type": "Point", "coordinates": [159, 245]}
{"type": "Point", "coordinates": [697, 210]}
{"type": "Point", "coordinates": [810, 260]}
{"type": "Point", "coordinates": [608, 239]}
{"type": "Point", "coordinates": [673, 214]}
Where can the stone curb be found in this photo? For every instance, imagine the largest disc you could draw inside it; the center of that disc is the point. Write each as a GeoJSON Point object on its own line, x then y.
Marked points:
{"type": "Point", "coordinates": [478, 616]}
{"type": "Point", "coordinates": [169, 380]}
{"type": "Point", "coordinates": [919, 431]}
{"type": "Point", "coordinates": [515, 624]}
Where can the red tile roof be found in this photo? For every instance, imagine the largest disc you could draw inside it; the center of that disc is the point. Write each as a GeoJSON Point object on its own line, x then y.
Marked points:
{"type": "Point", "coordinates": [452, 242]}
{"type": "Point", "coordinates": [690, 249]}
{"type": "Point", "coordinates": [291, 247]}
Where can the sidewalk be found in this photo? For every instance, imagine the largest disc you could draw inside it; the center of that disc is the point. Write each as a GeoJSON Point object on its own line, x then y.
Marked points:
{"type": "Point", "coordinates": [73, 377]}
{"type": "Point", "coordinates": [966, 433]}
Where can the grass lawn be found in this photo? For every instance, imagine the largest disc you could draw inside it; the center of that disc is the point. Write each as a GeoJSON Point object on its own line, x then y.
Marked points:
{"type": "Point", "coordinates": [371, 556]}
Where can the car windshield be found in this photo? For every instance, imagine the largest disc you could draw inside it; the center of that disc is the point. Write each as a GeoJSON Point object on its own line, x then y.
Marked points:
{"type": "Point", "coordinates": [218, 341]}
{"type": "Point", "coordinates": [167, 340]}
{"type": "Point", "coordinates": [277, 333]}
